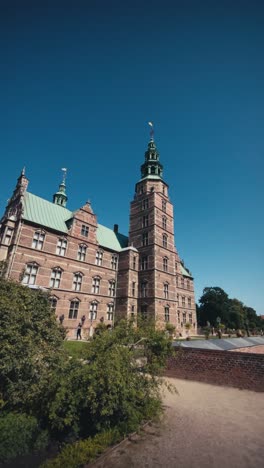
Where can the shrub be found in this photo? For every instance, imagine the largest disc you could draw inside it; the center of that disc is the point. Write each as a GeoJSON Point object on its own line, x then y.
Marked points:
{"type": "Point", "coordinates": [19, 435]}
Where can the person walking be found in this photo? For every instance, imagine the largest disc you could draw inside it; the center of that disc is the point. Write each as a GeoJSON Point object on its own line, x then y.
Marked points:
{"type": "Point", "coordinates": [79, 331]}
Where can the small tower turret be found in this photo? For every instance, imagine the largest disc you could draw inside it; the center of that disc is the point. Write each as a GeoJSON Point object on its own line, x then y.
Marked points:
{"type": "Point", "coordinates": [60, 197]}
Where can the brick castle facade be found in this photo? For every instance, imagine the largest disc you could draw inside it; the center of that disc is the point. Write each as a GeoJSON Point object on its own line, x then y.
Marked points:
{"type": "Point", "coordinates": [95, 273]}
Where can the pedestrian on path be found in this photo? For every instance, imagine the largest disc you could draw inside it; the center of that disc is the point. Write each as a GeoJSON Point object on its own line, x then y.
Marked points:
{"type": "Point", "coordinates": [79, 331]}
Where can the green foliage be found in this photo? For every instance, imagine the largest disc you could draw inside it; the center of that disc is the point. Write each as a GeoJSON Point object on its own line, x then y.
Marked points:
{"type": "Point", "coordinates": [19, 435]}
{"type": "Point", "coordinates": [84, 451]}
{"type": "Point", "coordinates": [233, 313]}
{"type": "Point", "coordinates": [31, 346]}
{"type": "Point", "coordinates": [169, 327]}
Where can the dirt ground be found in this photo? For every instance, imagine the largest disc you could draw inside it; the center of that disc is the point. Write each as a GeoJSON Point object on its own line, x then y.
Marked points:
{"type": "Point", "coordinates": [204, 426]}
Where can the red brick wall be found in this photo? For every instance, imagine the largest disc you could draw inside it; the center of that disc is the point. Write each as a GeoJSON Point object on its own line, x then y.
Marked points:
{"type": "Point", "coordinates": [241, 370]}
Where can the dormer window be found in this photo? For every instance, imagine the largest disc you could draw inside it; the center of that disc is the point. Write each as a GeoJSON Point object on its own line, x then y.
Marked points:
{"type": "Point", "coordinates": [85, 230]}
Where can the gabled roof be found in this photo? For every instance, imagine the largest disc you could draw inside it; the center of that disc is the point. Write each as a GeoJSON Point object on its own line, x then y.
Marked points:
{"type": "Point", "coordinates": [49, 215]}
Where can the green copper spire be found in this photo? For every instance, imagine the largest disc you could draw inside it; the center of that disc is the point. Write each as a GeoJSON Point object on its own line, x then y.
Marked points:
{"type": "Point", "coordinates": [151, 168]}
{"type": "Point", "coordinates": [60, 197]}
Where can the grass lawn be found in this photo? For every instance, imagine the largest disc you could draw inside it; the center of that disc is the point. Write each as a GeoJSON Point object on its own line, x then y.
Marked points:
{"type": "Point", "coordinates": [75, 348]}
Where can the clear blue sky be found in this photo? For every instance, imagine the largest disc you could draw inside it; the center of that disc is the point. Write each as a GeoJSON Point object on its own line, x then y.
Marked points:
{"type": "Point", "coordinates": [81, 79]}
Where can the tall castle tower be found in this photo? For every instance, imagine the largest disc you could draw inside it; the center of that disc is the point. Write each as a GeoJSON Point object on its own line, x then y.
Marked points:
{"type": "Point", "coordinates": [162, 277]}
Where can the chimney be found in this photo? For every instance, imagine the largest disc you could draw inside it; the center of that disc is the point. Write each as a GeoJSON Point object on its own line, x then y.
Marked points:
{"type": "Point", "coordinates": [115, 228]}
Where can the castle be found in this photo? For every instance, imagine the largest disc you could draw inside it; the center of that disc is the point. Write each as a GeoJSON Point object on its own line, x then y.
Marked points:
{"type": "Point", "coordinates": [95, 274]}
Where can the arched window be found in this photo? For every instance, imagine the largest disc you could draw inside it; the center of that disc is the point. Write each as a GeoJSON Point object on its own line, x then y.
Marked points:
{"type": "Point", "coordinates": [164, 222]}
{"type": "Point", "coordinates": [77, 281]}
{"type": "Point", "coordinates": [165, 241]}
{"type": "Point", "coordinates": [99, 257]}
{"type": "Point", "coordinates": [166, 313]}
{"type": "Point", "coordinates": [165, 264]}
{"type": "Point", "coordinates": [163, 205]}
{"type": "Point", "coordinates": [152, 169]}
{"type": "Point", "coordinates": [30, 274]}
{"type": "Point", "coordinates": [81, 252]}
{"type": "Point", "coordinates": [96, 285]}
{"type": "Point", "coordinates": [111, 288]}
{"type": "Point", "coordinates": [55, 278]}
{"type": "Point", "coordinates": [166, 290]}
{"type": "Point", "coordinates": [74, 308]}
{"type": "Point", "coordinates": [93, 310]}
{"type": "Point", "coordinates": [61, 247]}
{"type": "Point", "coordinates": [38, 240]}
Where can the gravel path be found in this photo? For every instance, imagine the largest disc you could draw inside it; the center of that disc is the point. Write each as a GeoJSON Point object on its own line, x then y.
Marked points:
{"type": "Point", "coordinates": [204, 426]}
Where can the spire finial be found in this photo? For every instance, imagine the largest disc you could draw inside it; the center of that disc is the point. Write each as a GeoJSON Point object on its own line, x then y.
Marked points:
{"type": "Point", "coordinates": [151, 130]}
{"type": "Point", "coordinates": [23, 171]}
{"type": "Point", "coordinates": [64, 174]}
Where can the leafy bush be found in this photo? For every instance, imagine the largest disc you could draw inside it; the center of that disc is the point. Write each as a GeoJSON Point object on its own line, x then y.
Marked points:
{"type": "Point", "coordinates": [84, 451]}
{"type": "Point", "coordinates": [19, 435]}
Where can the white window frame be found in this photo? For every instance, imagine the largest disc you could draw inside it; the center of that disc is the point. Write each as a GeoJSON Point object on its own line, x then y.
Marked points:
{"type": "Point", "coordinates": [30, 274]}
{"type": "Point", "coordinates": [55, 278]}
{"type": "Point", "coordinates": [61, 247]}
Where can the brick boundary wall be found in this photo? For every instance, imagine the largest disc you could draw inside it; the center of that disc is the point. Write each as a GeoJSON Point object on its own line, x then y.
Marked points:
{"type": "Point", "coordinates": [240, 370]}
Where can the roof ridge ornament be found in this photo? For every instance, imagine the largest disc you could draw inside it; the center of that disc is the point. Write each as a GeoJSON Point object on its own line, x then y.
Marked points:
{"type": "Point", "coordinates": [64, 174]}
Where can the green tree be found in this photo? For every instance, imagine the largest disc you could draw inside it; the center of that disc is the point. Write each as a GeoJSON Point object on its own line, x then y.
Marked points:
{"type": "Point", "coordinates": [31, 346]}
{"type": "Point", "coordinates": [213, 304]}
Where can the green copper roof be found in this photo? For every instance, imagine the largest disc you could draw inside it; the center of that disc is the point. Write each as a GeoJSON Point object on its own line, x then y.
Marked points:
{"type": "Point", "coordinates": [111, 240]}
{"type": "Point", "coordinates": [46, 214]}
{"type": "Point", "coordinates": [185, 272]}
{"type": "Point", "coordinates": [49, 215]}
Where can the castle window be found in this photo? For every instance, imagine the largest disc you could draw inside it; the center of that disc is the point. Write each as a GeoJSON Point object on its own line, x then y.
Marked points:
{"type": "Point", "coordinates": [182, 282]}
{"type": "Point", "coordinates": [165, 241]}
{"type": "Point", "coordinates": [164, 222]}
{"type": "Point", "coordinates": [114, 262]}
{"type": "Point", "coordinates": [145, 204]}
{"type": "Point", "coordinates": [38, 240]}
{"type": "Point", "coordinates": [144, 289]}
{"type": "Point", "coordinates": [30, 274]}
{"type": "Point", "coordinates": [165, 264]}
{"type": "Point", "coordinates": [53, 300]}
{"type": "Point", "coordinates": [99, 258]}
{"type": "Point", "coordinates": [134, 262]}
{"type": "Point", "coordinates": [184, 317]}
{"type": "Point", "coordinates": [110, 311]}
{"type": "Point", "coordinates": [61, 247]}
{"type": "Point", "coordinates": [183, 301]}
{"type": "Point", "coordinates": [144, 311]}
{"type": "Point", "coordinates": [82, 252]}
{"type": "Point", "coordinates": [77, 281]}
{"type": "Point", "coordinates": [111, 288]}
{"type": "Point", "coordinates": [152, 169]}
{"type": "Point", "coordinates": [74, 307]}
{"type": "Point", "coordinates": [145, 239]}
{"type": "Point", "coordinates": [188, 284]}
{"type": "Point", "coordinates": [189, 302]}
{"type": "Point", "coordinates": [85, 230]}
{"type": "Point", "coordinates": [93, 310]}
{"type": "Point", "coordinates": [190, 318]}
{"type": "Point", "coordinates": [55, 278]}
{"type": "Point", "coordinates": [177, 280]}
{"type": "Point", "coordinates": [133, 288]}
{"type": "Point", "coordinates": [8, 235]}
{"type": "Point", "coordinates": [145, 221]}
{"type": "Point", "coordinates": [166, 314]}
{"type": "Point", "coordinates": [163, 205]}
{"type": "Point", "coordinates": [179, 319]}
{"type": "Point", "coordinates": [144, 263]}
{"type": "Point", "coordinates": [96, 285]}
{"type": "Point", "coordinates": [166, 290]}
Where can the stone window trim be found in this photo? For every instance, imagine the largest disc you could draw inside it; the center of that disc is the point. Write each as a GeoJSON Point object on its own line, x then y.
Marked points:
{"type": "Point", "coordinates": [81, 254]}
{"type": "Point", "coordinates": [74, 308]}
{"type": "Point", "coordinates": [99, 257]}
{"type": "Point", "coordinates": [145, 221]}
{"type": "Point", "coordinates": [93, 310]}
{"type": "Point", "coordinates": [164, 205]}
{"type": "Point", "coordinates": [96, 281]}
{"type": "Point", "coordinates": [114, 261]}
{"type": "Point", "coordinates": [111, 288]}
{"type": "Point", "coordinates": [77, 280]}
{"type": "Point", "coordinates": [145, 238]}
{"type": "Point", "coordinates": [165, 263]}
{"type": "Point", "coordinates": [61, 246]}
{"type": "Point", "coordinates": [110, 311]}
{"type": "Point", "coordinates": [144, 263]}
{"type": "Point", "coordinates": [165, 241]}
{"type": "Point", "coordinates": [166, 290]}
{"type": "Point", "coordinates": [167, 313]}
{"type": "Point", "coordinates": [164, 223]}
{"type": "Point", "coordinates": [55, 277]}
{"type": "Point", "coordinates": [144, 288]}
{"type": "Point", "coordinates": [30, 273]}
{"type": "Point", "coordinates": [38, 239]}
{"type": "Point", "coordinates": [133, 289]}
{"type": "Point", "coordinates": [8, 234]}
{"type": "Point", "coordinates": [145, 204]}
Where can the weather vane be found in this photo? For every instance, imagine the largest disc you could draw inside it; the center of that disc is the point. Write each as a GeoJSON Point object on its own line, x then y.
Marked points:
{"type": "Point", "coordinates": [151, 130]}
{"type": "Point", "coordinates": [64, 174]}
